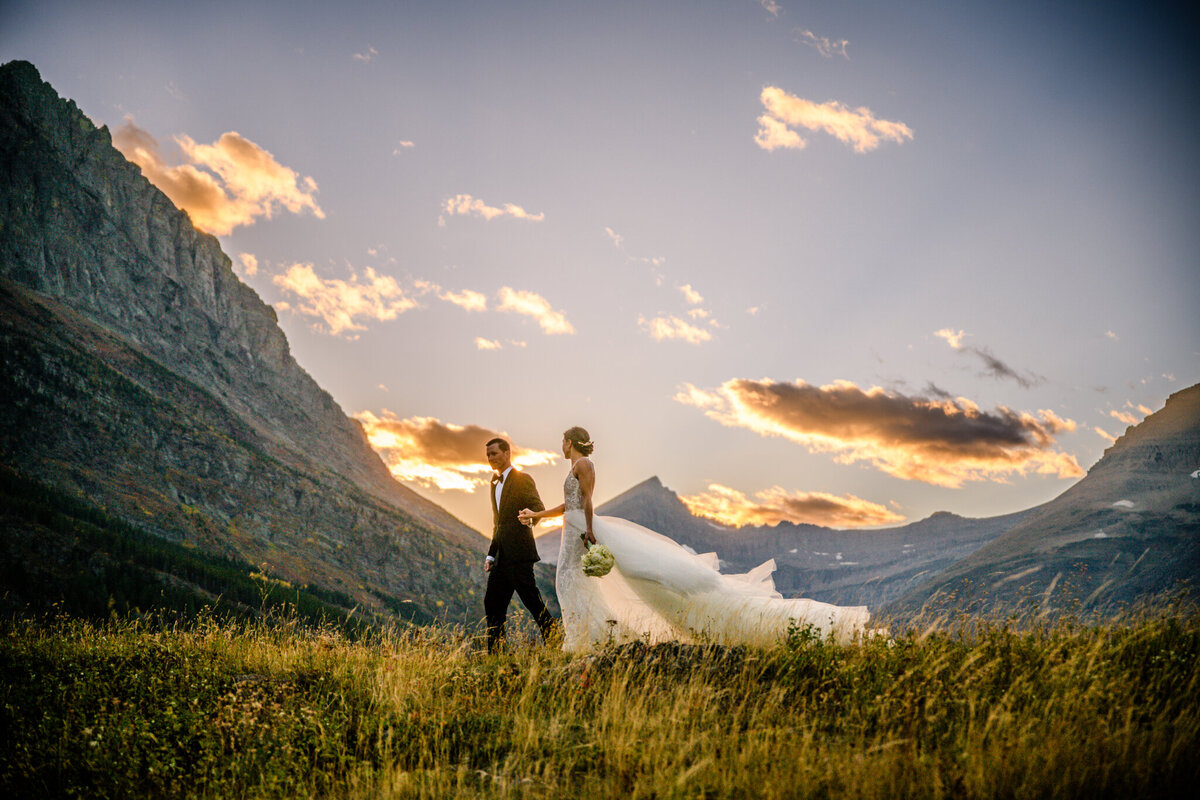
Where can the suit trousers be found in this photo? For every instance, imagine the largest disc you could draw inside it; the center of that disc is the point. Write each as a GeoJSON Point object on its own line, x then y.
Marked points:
{"type": "Point", "coordinates": [503, 580]}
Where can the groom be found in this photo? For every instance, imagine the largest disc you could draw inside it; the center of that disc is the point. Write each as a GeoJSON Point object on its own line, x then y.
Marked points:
{"type": "Point", "coordinates": [511, 557]}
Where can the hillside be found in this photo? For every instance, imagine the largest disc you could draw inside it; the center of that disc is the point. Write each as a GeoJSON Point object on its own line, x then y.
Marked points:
{"type": "Point", "coordinates": [142, 376]}
{"type": "Point", "coordinates": [1127, 531]}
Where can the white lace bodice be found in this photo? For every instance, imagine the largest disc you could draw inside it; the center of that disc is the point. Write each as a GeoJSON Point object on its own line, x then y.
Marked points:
{"type": "Point", "coordinates": [572, 493]}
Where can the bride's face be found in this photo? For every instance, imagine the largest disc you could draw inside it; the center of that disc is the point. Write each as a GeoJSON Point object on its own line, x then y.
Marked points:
{"type": "Point", "coordinates": [566, 447]}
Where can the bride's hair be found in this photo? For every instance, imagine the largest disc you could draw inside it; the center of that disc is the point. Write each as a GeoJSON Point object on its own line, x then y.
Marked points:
{"type": "Point", "coordinates": [580, 438]}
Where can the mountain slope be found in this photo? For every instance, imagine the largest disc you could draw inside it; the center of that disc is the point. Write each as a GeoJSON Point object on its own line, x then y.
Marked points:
{"type": "Point", "coordinates": [139, 373]}
{"type": "Point", "coordinates": [1127, 531]}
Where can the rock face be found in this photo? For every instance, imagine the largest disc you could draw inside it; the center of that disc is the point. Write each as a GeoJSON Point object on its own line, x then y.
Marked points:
{"type": "Point", "coordinates": [848, 567]}
{"type": "Point", "coordinates": [1128, 531]}
{"type": "Point", "coordinates": [139, 371]}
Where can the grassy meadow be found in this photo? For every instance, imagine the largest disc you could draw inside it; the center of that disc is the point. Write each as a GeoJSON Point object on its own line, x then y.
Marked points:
{"type": "Point", "coordinates": [229, 709]}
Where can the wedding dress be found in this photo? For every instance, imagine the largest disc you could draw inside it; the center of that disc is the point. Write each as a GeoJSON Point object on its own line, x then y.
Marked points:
{"type": "Point", "coordinates": [660, 591]}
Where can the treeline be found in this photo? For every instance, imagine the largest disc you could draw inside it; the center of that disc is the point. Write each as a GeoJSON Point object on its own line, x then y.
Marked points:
{"type": "Point", "coordinates": [91, 564]}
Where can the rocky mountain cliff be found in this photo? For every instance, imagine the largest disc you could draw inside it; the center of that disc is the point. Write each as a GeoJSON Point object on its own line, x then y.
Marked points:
{"type": "Point", "coordinates": [848, 567]}
{"type": "Point", "coordinates": [1128, 531]}
{"type": "Point", "coordinates": [140, 373]}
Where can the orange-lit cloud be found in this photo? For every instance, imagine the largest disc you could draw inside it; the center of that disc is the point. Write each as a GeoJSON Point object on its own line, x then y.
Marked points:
{"type": "Point", "coordinates": [1124, 416]}
{"type": "Point", "coordinates": [822, 44]}
{"type": "Point", "coordinates": [857, 127]}
{"type": "Point", "coordinates": [436, 454]}
{"type": "Point", "coordinates": [242, 183]}
{"type": "Point", "coordinates": [731, 507]}
{"type": "Point", "coordinates": [466, 205]}
{"type": "Point", "coordinates": [343, 304]}
{"type": "Point", "coordinates": [673, 327]}
{"type": "Point", "coordinates": [1104, 434]}
{"type": "Point", "coordinates": [939, 441]}
{"type": "Point", "coordinates": [534, 305]}
{"type": "Point", "coordinates": [468, 299]}
{"type": "Point", "coordinates": [691, 295]}
{"type": "Point", "coordinates": [487, 344]}
{"type": "Point", "coordinates": [773, 134]}
{"type": "Point", "coordinates": [249, 264]}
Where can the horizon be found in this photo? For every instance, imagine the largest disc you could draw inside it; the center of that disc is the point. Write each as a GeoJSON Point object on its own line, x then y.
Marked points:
{"type": "Point", "coordinates": [795, 265]}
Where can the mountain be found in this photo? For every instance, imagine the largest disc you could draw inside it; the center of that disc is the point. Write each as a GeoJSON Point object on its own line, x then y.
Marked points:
{"type": "Point", "coordinates": [848, 567]}
{"type": "Point", "coordinates": [140, 375]}
{"type": "Point", "coordinates": [1126, 532]}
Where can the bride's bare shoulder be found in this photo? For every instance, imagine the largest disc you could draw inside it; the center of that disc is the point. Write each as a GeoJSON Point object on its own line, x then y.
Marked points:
{"type": "Point", "coordinates": [583, 467]}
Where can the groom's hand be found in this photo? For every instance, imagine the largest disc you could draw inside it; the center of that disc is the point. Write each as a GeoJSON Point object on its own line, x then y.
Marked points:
{"type": "Point", "coordinates": [488, 563]}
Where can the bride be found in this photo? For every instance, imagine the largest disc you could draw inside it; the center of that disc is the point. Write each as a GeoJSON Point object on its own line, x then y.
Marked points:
{"type": "Point", "coordinates": [660, 591]}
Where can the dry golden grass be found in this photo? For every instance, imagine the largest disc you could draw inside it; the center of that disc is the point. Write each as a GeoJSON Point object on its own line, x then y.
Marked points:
{"type": "Point", "coordinates": [209, 709]}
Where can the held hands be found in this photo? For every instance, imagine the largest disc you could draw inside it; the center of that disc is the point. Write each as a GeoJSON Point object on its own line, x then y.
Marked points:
{"type": "Point", "coordinates": [527, 517]}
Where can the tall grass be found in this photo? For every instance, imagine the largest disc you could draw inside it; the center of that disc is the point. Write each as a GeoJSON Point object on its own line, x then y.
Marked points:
{"type": "Point", "coordinates": [230, 710]}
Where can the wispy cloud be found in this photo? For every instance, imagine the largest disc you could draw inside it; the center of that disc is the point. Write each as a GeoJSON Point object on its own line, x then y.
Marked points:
{"type": "Point", "coordinates": [937, 441]}
{"type": "Point", "coordinates": [822, 44]}
{"type": "Point", "coordinates": [436, 454]}
{"type": "Point", "coordinates": [993, 366]}
{"type": "Point", "coordinates": [731, 507]}
{"type": "Point", "coordinates": [466, 299]}
{"type": "Point", "coordinates": [1124, 416]}
{"type": "Point", "coordinates": [534, 305]}
{"type": "Point", "coordinates": [1110, 335]}
{"type": "Point", "coordinates": [1104, 434]}
{"type": "Point", "coordinates": [227, 184]}
{"type": "Point", "coordinates": [857, 127]}
{"type": "Point", "coordinates": [771, 7]}
{"type": "Point", "coordinates": [404, 144]}
{"type": "Point", "coordinates": [672, 327]}
{"type": "Point", "coordinates": [366, 55]}
{"type": "Point", "coordinates": [466, 205]}
{"type": "Point", "coordinates": [487, 344]}
{"type": "Point", "coordinates": [617, 239]}
{"type": "Point", "coordinates": [344, 305]}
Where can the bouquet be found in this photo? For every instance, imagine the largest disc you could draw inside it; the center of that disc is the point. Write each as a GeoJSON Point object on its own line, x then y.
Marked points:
{"type": "Point", "coordinates": [597, 561]}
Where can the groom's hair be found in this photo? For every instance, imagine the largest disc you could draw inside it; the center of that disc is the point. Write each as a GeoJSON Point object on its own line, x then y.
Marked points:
{"type": "Point", "coordinates": [501, 443]}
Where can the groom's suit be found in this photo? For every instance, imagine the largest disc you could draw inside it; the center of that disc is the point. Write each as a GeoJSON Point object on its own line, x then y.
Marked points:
{"type": "Point", "coordinates": [515, 554]}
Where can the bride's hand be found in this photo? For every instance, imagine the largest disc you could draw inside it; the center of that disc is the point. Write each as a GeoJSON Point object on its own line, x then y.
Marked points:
{"type": "Point", "coordinates": [589, 538]}
{"type": "Point", "coordinates": [526, 516]}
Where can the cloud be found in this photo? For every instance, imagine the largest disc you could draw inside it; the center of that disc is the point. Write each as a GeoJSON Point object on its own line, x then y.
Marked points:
{"type": "Point", "coordinates": [823, 45]}
{"type": "Point", "coordinates": [771, 7]}
{"type": "Point", "coordinates": [466, 205]}
{"type": "Point", "coordinates": [367, 55]}
{"type": "Point", "coordinates": [1146, 411]}
{"type": "Point", "coordinates": [1124, 416]}
{"type": "Point", "coordinates": [467, 299]}
{"type": "Point", "coordinates": [773, 134]}
{"type": "Point", "coordinates": [731, 507]}
{"type": "Point", "coordinates": [249, 264]}
{"type": "Point", "coordinates": [992, 365]}
{"type": "Point", "coordinates": [938, 441]}
{"type": "Point", "coordinates": [436, 454]}
{"type": "Point", "coordinates": [487, 344]}
{"type": "Point", "coordinates": [1110, 335]}
{"type": "Point", "coordinates": [857, 127]}
{"type": "Point", "coordinates": [342, 304]}
{"type": "Point", "coordinates": [242, 183]}
{"type": "Point", "coordinates": [673, 328]}
{"type": "Point", "coordinates": [691, 295]}
{"type": "Point", "coordinates": [405, 144]}
{"type": "Point", "coordinates": [534, 305]}
{"type": "Point", "coordinates": [1105, 434]}
{"type": "Point", "coordinates": [617, 238]}
{"type": "Point", "coordinates": [952, 338]}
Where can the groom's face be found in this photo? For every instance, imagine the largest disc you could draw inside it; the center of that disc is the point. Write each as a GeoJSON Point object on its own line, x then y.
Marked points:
{"type": "Point", "coordinates": [497, 458]}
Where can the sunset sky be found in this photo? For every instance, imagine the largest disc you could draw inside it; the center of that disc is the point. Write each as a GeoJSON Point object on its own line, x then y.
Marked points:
{"type": "Point", "coordinates": [848, 263]}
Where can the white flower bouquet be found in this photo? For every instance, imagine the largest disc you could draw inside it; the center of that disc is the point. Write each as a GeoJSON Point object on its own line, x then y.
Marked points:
{"type": "Point", "coordinates": [597, 561]}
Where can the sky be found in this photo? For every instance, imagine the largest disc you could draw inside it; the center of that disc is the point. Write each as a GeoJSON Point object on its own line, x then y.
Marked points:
{"type": "Point", "coordinates": [847, 263]}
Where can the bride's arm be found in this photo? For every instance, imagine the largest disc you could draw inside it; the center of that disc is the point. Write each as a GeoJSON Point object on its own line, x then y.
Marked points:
{"type": "Point", "coordinates": [586, 474]}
